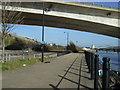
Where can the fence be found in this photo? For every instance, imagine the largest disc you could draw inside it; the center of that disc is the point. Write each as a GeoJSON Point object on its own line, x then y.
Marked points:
{"type": "Point", "coordinates": [9, 57]}
{"type": "Point", "coordinates": [100, 72]}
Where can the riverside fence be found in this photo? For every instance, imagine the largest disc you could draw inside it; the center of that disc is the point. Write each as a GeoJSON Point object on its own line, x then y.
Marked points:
{"type": "Point", "coordinates": [104, 77]}
{"type": "Point", "coordinates": [9, 57]}
{"type": "Point", "coordinates": [14, 56]}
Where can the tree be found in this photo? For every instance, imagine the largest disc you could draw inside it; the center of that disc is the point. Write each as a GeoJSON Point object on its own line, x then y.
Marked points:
{"type": "Point", "coordinates": [9, 18]}
{"type": "Point", "coordinates": [72, 47]}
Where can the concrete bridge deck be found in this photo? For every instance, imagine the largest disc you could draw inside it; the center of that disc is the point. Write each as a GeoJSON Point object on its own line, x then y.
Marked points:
{"type": "Point", "coordinates": [69, 15]}
{"type": "Point", "coordinates": [68, 71]}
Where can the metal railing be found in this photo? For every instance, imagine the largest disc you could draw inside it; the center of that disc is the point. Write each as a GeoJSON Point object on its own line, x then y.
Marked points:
{"type": "Point", "coordinates": [100, 71]}
{"type": "Point", "coordinates": [14, 56]}
{"type": "Point", "coordinates": [9, 57]}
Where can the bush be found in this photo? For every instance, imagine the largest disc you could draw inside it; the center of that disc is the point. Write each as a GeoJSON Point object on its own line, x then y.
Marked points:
{"type": "Point", "coordinates": [72, 47]}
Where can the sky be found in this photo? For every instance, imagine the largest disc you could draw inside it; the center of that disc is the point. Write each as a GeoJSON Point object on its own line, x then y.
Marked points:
{"type": "Point", "coordinates": [57, 35]}
{"type": "Point", "coordinates": [92, 0]}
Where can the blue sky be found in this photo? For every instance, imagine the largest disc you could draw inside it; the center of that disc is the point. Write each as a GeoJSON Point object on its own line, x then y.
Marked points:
{"type": "Point", "coordinates": [57, 35]}
{"type": "Point", "coordinates": [93, 0]}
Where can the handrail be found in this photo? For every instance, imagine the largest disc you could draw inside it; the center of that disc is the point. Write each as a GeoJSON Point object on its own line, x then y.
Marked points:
{"type": "Point", "coordinates": [112, 73]}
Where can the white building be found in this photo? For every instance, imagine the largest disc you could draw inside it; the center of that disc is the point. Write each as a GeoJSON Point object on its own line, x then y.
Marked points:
{"type": "Point", "coordinates": [51, 44]}
{"type": "Point", "coordinates": [93, 46]}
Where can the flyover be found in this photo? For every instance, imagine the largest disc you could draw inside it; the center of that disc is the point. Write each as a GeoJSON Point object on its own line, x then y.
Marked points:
{"type": "Point", "coordinates": [75, 16]}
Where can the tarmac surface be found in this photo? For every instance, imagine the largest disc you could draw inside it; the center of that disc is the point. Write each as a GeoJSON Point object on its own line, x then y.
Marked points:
{"type": "Point", "coordinates": [67, 71]}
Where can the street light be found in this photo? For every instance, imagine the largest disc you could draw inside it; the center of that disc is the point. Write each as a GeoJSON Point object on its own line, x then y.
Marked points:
{"type": "Point", "coordinates": [43, 42]}
{"type": "Point", "coordinates": [76, 43]}
{"type": "Point", "coordinates": [67, 39]}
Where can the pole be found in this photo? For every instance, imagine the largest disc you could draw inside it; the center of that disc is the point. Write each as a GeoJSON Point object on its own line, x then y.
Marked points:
{"type": "Point", "coordinates": [106, 73]}
{"type": "Point", "coordinates": [92, 66]}
{"type": "Point", "coordinates": [96, 72]}
{"type": "Point", "coordinates": [89, 62]}
{"type": "Point", "coordinates": [6, 57]}
{"type": "Point", "coordinates": [67, 40]}
{"type": "Point", "coordinates": [23, 56]}
{"type": "Point", "coordinates": [9, 57]}
{"type": "Point", "coordinates": [43, 36]}
{"type": "Point", "coordinates": [67, 36]}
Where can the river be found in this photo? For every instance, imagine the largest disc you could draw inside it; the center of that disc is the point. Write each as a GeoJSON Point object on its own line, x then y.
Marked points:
{"type": "Point", "coordinates": [114, 59]}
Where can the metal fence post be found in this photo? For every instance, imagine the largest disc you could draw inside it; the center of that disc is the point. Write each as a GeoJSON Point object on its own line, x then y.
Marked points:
{"type": "Point", "coordinates": [33, 55]}
{"type": "Point", "coordinates": [106, 73]}
{"type": "Point", "coordinates": [96, 60]}
{"type": "Point", "coordinates": [6, 57]}
{"type": "Point", "coordinates": [92, 66]}
{"type": "Point", "coordinates": [9, 57]}
{"type": "Point", "coordinates": [89, 61]}
{"type": "Point", "coordinates": [23, 56]}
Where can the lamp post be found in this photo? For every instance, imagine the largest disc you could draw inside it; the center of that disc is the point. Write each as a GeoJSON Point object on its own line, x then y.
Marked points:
{"type": "Point", "coordinates": [43, 19]}
{"type": "Point", "coordinates": [76, 43]}
{"type": "Point", "coordinates": [43, 35]}
{"type": "Point", "coordinates": [67, 39]}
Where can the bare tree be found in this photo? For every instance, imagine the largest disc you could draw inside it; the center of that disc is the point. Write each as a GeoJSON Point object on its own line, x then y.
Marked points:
{"type": "Point", "coordinates": [9, 18]}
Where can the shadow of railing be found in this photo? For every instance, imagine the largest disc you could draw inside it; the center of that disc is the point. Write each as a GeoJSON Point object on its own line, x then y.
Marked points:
{"type": "Point", "coordinates": [77, 73]}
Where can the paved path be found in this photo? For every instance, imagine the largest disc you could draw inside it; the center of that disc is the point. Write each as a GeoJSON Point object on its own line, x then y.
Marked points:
{"type": "Point", "coordinates": [68, 71]}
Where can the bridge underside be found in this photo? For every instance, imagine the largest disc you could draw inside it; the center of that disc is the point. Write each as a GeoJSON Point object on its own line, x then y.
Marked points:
{"type": "Point", "coordinates": [68, 23]}
{"type": "Point", "coordinates": [72, 16]}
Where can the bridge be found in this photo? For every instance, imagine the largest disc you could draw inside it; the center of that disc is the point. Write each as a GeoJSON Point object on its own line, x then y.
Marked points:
{"type": "Point", "coordinates": [76, 16]}
{"type": "Point", "coordinates": [69, 15]}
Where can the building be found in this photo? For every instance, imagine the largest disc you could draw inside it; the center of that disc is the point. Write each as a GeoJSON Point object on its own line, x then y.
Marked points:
{"type": "Point", "coordinates": [93, 47]}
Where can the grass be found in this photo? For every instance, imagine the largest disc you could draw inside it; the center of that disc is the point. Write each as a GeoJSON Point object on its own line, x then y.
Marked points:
{"type": "Point", "coordinates": [18, 63]}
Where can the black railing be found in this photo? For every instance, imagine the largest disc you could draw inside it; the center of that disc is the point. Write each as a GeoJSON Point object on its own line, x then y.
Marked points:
{"type": "Point", "coordinates": [100, 74]}
{"type": "Point", "coordinates": [96, 60]}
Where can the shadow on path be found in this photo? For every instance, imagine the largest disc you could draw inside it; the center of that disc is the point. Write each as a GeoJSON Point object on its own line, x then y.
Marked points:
{"type": "Point", "coordinates": [70, 80]}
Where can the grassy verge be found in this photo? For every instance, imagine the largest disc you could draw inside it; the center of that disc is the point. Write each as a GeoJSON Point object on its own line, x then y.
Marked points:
{"type": "Point", "coordinates": [18, 63]}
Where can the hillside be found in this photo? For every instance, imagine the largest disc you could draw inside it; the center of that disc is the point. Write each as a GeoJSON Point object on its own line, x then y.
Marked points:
{"type": "Point", "coordinates": [17, 42]}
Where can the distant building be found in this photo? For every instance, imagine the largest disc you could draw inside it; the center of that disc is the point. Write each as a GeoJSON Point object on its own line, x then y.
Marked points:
{"type": "Point", "coordinates": [93, 46]}
{"type": "Point", "coordinates": [51, 44]}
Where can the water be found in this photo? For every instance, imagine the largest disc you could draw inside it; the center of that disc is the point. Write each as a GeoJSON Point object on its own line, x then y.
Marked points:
{"type": "Point", "coordinates": [114, 59]}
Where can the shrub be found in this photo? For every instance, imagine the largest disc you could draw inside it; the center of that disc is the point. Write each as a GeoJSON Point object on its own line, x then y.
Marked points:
{"type": "Point", "coordinates": [72, 47]}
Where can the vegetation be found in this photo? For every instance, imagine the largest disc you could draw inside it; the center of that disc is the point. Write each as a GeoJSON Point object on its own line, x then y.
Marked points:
{"type": "Point", "coordinates": [72, 47]}
{"type": "Point", "coordinates": [13, 64]}
{"type": "Point", "coordinates": [8, 17]}
{"type": "Point", "coordinates": [54, 47]}
{"type": "Point", "coordinates": [17, 44]}
{"type": "Point", "coordinates": [79, 48]}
